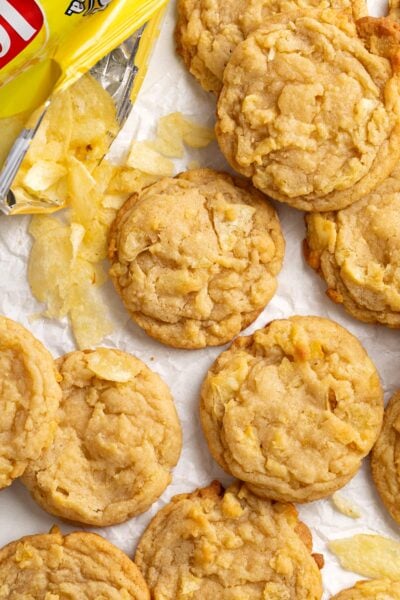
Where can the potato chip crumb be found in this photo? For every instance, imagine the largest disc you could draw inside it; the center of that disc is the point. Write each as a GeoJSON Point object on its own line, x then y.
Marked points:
{"type": "Point", "coordinates": [373, 556]}
{"type": "Point", "coordinates": [345, 506]}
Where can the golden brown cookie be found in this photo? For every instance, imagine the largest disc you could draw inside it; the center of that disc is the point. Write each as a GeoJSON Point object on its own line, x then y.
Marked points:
{"type": "Point", "coordinates": [376, 589]}
{"type": "Point", "coordinates": [208, 31]}
{"type": "Point", "coordinates": [29, 398]}
{"type": "Point", "coordinates": [385, 458]}
{"type": "Point", "coordinates": [80, 566]}
{"type": "Point", "coordinates": [118, 438]}
{"type": "Point", "coordinates": [357, 252]}
{"type": "Point", "coordinates": [309, 113]}
{"type": "Point", "coordinates": [228, 545]}
{"type": "Point", "coordinates": [195, 257]}
{"type": "Point", "coordinates": [292, 409]}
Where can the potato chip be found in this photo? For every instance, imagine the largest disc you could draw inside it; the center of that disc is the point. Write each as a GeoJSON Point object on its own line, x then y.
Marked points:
{"type": "Point", "coordinates": [196, 136]}
{"type": "Point", "coordinates": [112, 366]}
{"type": "Point", "coordinates": [174, 130]}
{"type": "Point", "coordinates": [79, 125]}
{"type": "Point", "coordinates": [43, 174]}
{"type": "Point", "coordinates": [49, 269]}
{"type": "Point", "coordinates": [88, 315]}
{"type": "Point", "coordinates": [129, 181]}
{"type": "Point", "coordinates": [143, 157]}
{"type": "Point", "coordinates": [373, 556]}
{"type": "Point", "coordinates": [169, 141]}
{"type": "Point", "coordinates": [344, 506]}
{"type": "Point", "coordinates": [76, 236]}
{"type": "Point", "coordinates": [42, 224]}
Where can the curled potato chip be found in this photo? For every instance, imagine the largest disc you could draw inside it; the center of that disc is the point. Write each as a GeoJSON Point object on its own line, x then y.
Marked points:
{"type": "Point", "coordinates": [143, 157]}
{"type": "Point", "coordinates": [174, 130]}
{"type": "Point", "coordinates": [373, 556]}
{"type": "Point", "coordinates": [111, 366]}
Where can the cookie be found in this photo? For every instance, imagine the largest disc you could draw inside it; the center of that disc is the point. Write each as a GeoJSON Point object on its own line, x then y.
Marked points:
{"type": "Point", "coordinates": [378, 589]}
{"type": "Point", "coordinates": [80, 565]}
{"type": "Point", "coordinates": [118, 438]}
{"type": "Point", "coordinates": [208, 31]}
{"type": "Point", "coordinates": [356, 250]}
{"type": "Point", "coordinates": [311, 115]}
{"type": "Point", "coordinates": [195, 257]}
{"type": "Point", "coordinates": [292, 409]}
{"type": "Point", "coordinates": [228, 545]}
{"type": "Point", "coordinates": [385, 458]}
{"type": "Point", "coordinates": [29, 398]}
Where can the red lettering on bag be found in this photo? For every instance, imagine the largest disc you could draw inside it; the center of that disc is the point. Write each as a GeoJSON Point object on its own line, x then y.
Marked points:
{"type": "Point", "coordinates": [20, 23]}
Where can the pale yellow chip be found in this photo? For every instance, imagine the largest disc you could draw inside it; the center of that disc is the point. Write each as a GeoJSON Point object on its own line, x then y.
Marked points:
{"type": "Point", "coordinates": [43, 174]}
{"type": "Point", "coordinates": [373, 556]}
{"type": "Point", "coordinates": [174, 130]}
{"type": "Point", "coordinates": [128, 181]}
{"type": "Point", "coordinates": [77, 233]}
{"type": "Point", "coordinates": [89, 317]}
{"type": "Point", "coordinates": [42, 224]}
{"type": "Point", "coordinates": [111, 366]}
{"type": "Point", "coordinates": [169, 140]}
{"type": "Point", "coordinates": [143, 157]}
{"type": "Point", "coordinates": [345, 506]}
{"type": "Point", "coordinates": [49, 269]}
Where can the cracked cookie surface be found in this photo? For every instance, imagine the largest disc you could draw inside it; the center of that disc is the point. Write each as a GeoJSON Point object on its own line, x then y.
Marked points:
{"type": "Point", "coordinates": [292, 409]}
{"type": "Point", "coordinates": [29, 398]}
{"type": "Point", "coordinates": [208, 31]}
{"type": "Point", "coordinates": [311, 115]}
{"type": "Point", "coordinates": [357, 252]}
{"type": "Point", "coordinates": [118, 438]}
{"type": "Point", "coordinates": [228, 545]}
{"type": "Point", "coordinates": [383, 589]}
{"type": "Point", "coordinates": [385, 458]}
{"type": "Point", "coordinates": [195, 257]}
{"type": "Point", "coordinates": [56, 567]}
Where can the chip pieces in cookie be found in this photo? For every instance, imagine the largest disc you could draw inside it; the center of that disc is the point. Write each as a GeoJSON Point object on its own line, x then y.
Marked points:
{"type": "Point", "coordinates": [228, 545]}
{"type": "Point", "coordinates": [117, 440]}
{"type": "Point", "coordinates": [195, 257]}
{"type": "Point", "coordinates": [81, 565]}
{"type": "Point", "coordinates": [292, 409]}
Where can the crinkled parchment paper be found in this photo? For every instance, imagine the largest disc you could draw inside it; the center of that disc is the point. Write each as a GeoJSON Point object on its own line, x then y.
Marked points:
{"type": "Point", "coordinates": [169, 88]}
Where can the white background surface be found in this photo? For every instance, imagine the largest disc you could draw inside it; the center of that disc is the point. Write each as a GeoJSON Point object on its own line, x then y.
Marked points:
{"type": "Point", "coordinates": [169, 88]}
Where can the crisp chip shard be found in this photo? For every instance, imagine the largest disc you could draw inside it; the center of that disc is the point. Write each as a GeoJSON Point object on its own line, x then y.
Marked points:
{"type": "Point", "coordinates": [174, 130]}
{"type": "Point", "coordinates": [143, 157]}
{"type": "Point", "coordinates": [127, 181]}
{"type": "Point", "coordinates": [345, 506]}
{"type": "Point", "coordinates": [108, 365]}
{"type": "Point", "coordinates": [76, 236]}
{"type": "Point", "coordinates": [43, 174]}
{"type": "Point", "coordinates": [88, 314]}
{"type": "Point", "coordinates": [373, 556]}
{"type": "Point", "coordinates": [42, 224]}
{"type": "Point", "coordinates": [49, 268]}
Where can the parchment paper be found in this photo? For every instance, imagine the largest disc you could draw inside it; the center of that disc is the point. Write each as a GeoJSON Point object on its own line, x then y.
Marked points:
{"type": "Point", "coordinates": [169, 88]}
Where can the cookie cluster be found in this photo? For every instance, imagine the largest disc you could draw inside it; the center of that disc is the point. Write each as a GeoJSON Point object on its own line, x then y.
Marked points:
{"type": "Point", "coordinates": [94, 435]}
{"type": "Point", "coordinates": [308, 109]}
{"type": "Point", "coordinates": [309, 114]}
